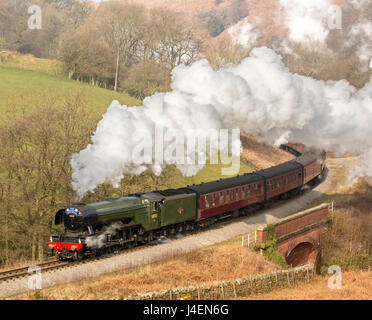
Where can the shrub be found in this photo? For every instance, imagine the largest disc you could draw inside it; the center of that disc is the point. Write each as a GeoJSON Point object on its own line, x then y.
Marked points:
{"type": "Point", "coordinates": [145, 79]}
{"type": "Point", "coordinates": [270, 251]}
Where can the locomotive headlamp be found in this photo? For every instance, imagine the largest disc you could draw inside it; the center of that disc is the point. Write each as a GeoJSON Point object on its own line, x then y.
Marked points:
{"type": "Point", "coordinates": [72, 211]}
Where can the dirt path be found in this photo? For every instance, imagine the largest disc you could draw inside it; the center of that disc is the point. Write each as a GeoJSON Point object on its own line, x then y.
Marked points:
{"type": "Point", "coordinates": [147, 255]}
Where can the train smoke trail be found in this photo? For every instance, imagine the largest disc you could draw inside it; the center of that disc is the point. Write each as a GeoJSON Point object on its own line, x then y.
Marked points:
{"type": "Point", "coordinates": [98, 241]}
{"type": "Point", "coordinates": [345, 29]}
{"type": "Point", "coordinates": [258, 96]}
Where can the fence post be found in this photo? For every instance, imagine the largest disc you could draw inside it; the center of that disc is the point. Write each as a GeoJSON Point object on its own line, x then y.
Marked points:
{"type": "Point", "coordinates": [307, 272]}
{"type": "Point", "coordinates": [331, 206]}
{"type": "Point", "coordinates": [234, 290]}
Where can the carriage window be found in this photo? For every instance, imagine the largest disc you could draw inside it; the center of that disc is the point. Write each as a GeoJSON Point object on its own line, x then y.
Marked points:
{"type": "Point", "coordinates": [214, 199]}
{"type": "Point", "coordinates": [207, 201]}
{"type": "Point", "coordinates": [221, 197]}
{"type": "Point", "coordinates": [227, 196]}
{"type": "Point", "coordinates": [236, 194]}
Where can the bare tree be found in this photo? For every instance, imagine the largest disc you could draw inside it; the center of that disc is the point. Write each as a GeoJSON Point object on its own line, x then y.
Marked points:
{"type": "Point", "coordinates": [223, 51]}
{"type": "Point", "coordinates": [172, 39]}
{"type": "Point", "coordinates": [122, 26]}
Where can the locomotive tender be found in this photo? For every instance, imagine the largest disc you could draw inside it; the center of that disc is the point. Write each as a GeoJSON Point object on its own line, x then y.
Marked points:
{"type": "Point", "coordinates": [124, 222]}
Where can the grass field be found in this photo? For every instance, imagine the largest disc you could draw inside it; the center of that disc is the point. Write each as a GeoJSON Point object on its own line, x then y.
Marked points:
{"type": "Point", "coordinates": [16, 60]}
{"type": "Point", "coordinates": [24, 76]}
{"type": "Point", "coordinates": [16, 83]}
{"type": "Point", "coordinates": [209, 173]}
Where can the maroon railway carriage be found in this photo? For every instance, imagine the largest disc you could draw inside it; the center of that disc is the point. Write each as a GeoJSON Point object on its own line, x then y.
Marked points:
{"type": "Point", "coordinates": [282, 178]}
{"type": "Point", "coordinates": [229, 195]}
{"type": "Point", "coordinates": [226, 195]}
{"type": "Point", "coordinates": [313, 164]}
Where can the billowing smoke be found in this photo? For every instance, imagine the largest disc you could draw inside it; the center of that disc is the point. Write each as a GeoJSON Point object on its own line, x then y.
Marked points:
{"type": "Point", "coordinates": [345, 28]}
{"type": "Point", "coordinates": [245, 33]}
{"type": "Point", "coordinates": [307, 20]}
{"type": "Point", "coordinates": [258, 96]}
{"type": "Point", "coordinates": [98, 241]}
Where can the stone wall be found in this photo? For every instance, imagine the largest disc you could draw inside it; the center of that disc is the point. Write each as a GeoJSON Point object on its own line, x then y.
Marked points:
{"type": "Point", "coordinates": [232, 289]}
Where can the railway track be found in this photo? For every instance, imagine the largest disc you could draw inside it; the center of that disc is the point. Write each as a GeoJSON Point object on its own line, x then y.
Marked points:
{"type": "Point", "coordinates": [22, 272]}
{"type": "Point", "coordinates": [10, 275]}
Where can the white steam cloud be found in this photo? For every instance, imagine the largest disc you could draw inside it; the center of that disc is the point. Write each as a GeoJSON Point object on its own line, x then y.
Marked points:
{"type": "Point", "coordinates": [346, 29]}
{"type": "Point", "coordinates": [98, 241]}
{"type": "Point", "coordinates": [307, 20]}
{"type": "Point", "coordinates": [245, 33]}
{"type": "Point", "coordinates": [257, 96]}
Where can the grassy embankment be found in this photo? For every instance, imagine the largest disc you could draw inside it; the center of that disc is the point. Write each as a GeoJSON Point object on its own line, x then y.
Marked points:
{"type": "Point", "coordinates": [23, 77]}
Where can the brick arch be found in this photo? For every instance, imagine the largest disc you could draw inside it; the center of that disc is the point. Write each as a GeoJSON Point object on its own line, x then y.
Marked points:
{"type": "Point", "coordinates": [301, 254]}
{"type": "Point", "coordinates": [301, 248]}
{"type": "Point", "coordinates": [294, 243]}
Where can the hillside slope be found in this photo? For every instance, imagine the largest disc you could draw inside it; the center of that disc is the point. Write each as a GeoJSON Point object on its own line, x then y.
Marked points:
{"type": "Point", "coordinates": [15, 83]}
{"type": "Point", "coordinates": [261, 155]}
